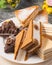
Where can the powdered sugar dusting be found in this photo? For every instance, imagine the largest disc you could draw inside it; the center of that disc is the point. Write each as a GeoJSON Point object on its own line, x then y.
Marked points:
{"type": "Point", "coordinates": [24, 14]}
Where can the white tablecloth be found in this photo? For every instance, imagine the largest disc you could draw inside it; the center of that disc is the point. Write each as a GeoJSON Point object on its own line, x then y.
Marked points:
{"type": "Point", "coordinates": [6, 62]}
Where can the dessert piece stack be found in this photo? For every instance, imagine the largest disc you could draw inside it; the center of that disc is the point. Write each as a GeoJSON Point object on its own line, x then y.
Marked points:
{"type": "Point", "coordinates": [45, 51]}
{"type": "Point", "coordinates": [34, 35]}
{"type": "Point", "coordinates": [30, 42]}
{"type": "Point", "coordinates": [32, 39]}
{"type": "Point", "coordinates": [25, 16]}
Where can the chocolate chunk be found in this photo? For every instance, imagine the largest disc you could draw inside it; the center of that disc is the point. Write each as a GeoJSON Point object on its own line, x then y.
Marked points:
{"type": "Point", "coordinates": [9, 46]}
{"type": "Point", "coordinates": [9, 49]}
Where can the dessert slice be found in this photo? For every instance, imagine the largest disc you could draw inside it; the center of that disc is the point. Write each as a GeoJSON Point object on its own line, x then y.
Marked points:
{"type": "Point", "coordinates": [18, 43]}
{"type": "Point", "coordinates": [29, 36]}
{"type": "Point", "coordinates": [47, 30]}
{"type": "Point", "coordinates": [36, 43]}
{"type": "Point", "coordinates": [32, 40]}
{"type": "Point", "coordinates": [22, 53]}
{"type": "Point", "coordinates": [45, 51]}
{"type": "Point", "coordinates": [33, 47]}
{"type": "Point", "coordinates": [26, 14]}
{"type": "Point", "coordinates": [28, 39]}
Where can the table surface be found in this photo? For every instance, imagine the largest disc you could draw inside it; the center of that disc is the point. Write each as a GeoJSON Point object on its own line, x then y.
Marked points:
{"type": "Point", "coordinates": [6, 15]}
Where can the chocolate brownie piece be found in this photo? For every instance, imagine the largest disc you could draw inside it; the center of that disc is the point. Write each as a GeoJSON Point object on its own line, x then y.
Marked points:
{"type": "Point", "coordinates": [9, 46]}
{"type": "Point", "coordinates": [9, 27]}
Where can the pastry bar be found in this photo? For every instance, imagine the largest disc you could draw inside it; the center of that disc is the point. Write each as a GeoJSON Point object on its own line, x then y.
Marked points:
{"type": "Point", "coordinates": [18, 43]}
{"type": "Point", "coordinates": [36, 38]}
{"type": "Point", "coordinates": [45, 51]}
{"type": "Point", "coordinates": [21, 53]}
{"type": "Point", "coordinates": [31, 41]}
{"type": "Point", "coordinates": [29, 36]}
{"type": "Point", "coordinates": [41, 17]}
{"type": "Point", "coordinates": [26, 14]}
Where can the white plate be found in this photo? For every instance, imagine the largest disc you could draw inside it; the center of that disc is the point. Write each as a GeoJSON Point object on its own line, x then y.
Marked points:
{"type": "Point", "coordinates": [32, 60]}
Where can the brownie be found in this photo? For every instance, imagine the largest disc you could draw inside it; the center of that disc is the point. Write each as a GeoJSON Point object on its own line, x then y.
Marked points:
{"type": "Point", "coordinates": [9, 46]}
{"type": "Point", "coordinates": [9, 27]}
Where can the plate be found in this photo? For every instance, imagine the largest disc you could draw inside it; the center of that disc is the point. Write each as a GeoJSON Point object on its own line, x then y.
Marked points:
{"type": "Point", "coordinates": [32, 60]}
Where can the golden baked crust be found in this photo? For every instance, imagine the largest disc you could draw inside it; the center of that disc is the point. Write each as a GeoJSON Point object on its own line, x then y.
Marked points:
{"type": "Point", "coordinates": [29, 35]}
{"type": "Point", "coordinates": [18, 43]}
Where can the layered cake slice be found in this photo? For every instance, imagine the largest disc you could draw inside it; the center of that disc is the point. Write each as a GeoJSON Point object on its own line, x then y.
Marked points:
{"type": "Point", "coordinates": [26, 14]}
{"type": "Point", "coordinates": [27, 42]}
{"type": "Point", "coordinates": [18, 43]}
{"type": "Point", "coordinates": [36, 43]}
{"type": "Point", "coordinates": [32, 40]}
{"type": "Point", "coordinates": [47, 30]}
{"type": "Point", "coordinates": [45, 51]}
{"type": "Point", "coordinates": [22, 53]}
{"type": "Point", "coordinates": [29, 36]}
